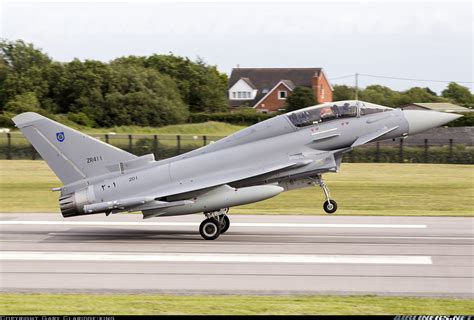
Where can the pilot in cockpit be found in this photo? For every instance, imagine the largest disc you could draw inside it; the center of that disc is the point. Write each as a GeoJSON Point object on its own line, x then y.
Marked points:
{"type": "Point", "coordinates": [326, 112]}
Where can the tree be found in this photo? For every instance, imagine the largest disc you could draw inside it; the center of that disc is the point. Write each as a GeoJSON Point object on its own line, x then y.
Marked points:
{"type": "Point", "coordinates": [142, 96]}
{"type": "Point", "coordinates": [458, 94]}
{"type": "Point", "coordinates": [343, 92]}
{"type": "Point", "coordinates": [202, 87]}
{"type": "Point", "coordinates": [301, 97]}
{"type": "Point", "coordinates": [23, 69]}
{"type": "Point", "coordinates": [417, 94]}
{"type": "Point", "coordinates": [23, 103]}
{"type": "Point", "coordinates": [380, 95]}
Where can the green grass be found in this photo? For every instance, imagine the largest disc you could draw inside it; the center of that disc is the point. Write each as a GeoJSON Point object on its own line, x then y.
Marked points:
{"type": "Point", "coordinates": [58, 304]}
{"type": "Point", "coordinates": [383, 189]}
{"type": "Point", "coordinates": [359, 189]}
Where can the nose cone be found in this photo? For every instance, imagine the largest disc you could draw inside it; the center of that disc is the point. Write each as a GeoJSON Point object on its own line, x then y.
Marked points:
{"type": "Point", "coordinates": [421, 120]}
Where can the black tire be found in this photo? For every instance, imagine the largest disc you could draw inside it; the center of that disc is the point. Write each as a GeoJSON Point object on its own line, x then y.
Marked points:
{"type": "Point", "coordinates": [210, 229]}
{"type": "Point", "coordinates": [225, 224]}
{"type": "Point", "coordinates": [330, 206]}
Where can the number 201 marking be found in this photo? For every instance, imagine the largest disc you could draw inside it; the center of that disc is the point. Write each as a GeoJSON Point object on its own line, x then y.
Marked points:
{"type": "Point", "coordinates": [131, 179]}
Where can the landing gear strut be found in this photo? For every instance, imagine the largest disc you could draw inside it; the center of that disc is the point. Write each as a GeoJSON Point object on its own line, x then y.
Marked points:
{"type": "Point", "coordinates": [217, 223]}
{"type": "Point", "coordinates": [330, 206]}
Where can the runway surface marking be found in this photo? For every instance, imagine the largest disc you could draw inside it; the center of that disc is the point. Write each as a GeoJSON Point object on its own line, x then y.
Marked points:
{"type": "Point", "coordinates": [235, 224]}
{"type": "Point", "coordinates": [209, 257]}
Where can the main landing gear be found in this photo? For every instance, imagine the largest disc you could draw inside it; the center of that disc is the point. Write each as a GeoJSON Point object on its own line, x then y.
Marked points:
{"type": "Point", "coordinates": [330, 206]}
{"type": "Point", "coordinates": [217, 223]}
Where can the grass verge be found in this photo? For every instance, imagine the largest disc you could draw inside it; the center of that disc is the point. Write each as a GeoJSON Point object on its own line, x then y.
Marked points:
{"type": "Point", "coordinates": [359, 189]}
{"type": "Point", "coordinates": [63, 304]}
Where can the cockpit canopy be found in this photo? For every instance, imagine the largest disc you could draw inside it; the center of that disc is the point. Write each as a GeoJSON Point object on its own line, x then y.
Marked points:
{"type": "Point", "coordinates": [334, 110]}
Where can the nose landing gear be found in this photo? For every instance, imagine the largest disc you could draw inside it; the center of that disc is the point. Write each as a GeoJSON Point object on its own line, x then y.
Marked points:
{"type": "Point", "coordinates": [330, 206]}
{"type": "Point", "coordinates": [217, 223]}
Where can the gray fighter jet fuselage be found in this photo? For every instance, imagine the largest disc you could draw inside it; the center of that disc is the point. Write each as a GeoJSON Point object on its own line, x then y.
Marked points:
{"type": "Point", "coordinates": [285, 152]}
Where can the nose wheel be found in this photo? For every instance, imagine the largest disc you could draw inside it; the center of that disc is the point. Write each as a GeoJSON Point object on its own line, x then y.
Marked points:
{"type": "Point", "coordinates": [217, 223]}
{"type": "Point", "coordinates": [329, 206]}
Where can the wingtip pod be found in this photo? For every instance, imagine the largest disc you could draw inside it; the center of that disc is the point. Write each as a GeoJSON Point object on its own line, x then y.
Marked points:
{"type": "Point", "coordinates": [23, 119]}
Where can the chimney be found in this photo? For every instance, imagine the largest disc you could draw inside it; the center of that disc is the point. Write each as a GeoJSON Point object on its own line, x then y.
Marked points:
{"type": "Point", "coordinates": [316, 88]}
{"type": "Point", "coordinates": [238, 66]}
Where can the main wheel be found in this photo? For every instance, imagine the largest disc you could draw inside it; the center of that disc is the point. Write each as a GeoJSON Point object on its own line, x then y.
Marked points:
{"type": "Point", "coordinates": [210, 229]}
{"type": "Point", "coordinates": [330, 206]}
{"type": "Point", "coordinates": [225, 224]}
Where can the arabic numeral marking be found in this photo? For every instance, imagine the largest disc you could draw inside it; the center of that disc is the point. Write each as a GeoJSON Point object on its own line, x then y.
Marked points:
{"type": "Point", "coordinates": [131, 179]}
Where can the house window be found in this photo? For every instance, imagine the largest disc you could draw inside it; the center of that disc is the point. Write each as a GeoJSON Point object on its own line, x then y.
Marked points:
{"type": "Point", "coordinates": [322, 93]}
{"type": "Point", "coordinates": [242, 95]}
{"type": "Point", "coordinates": [282, 95]}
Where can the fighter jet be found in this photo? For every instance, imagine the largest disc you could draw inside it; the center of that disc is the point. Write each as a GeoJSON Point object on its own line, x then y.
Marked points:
{"type": "Point", "coordinates": [286, 152]}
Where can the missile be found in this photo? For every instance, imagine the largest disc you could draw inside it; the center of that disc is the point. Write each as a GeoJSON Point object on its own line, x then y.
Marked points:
{"type": "Point", "coordinates": [116, 204]}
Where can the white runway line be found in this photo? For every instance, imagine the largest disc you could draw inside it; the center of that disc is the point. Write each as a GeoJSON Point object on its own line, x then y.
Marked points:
{"type": "Point", "coordinates": [209, 257]}
{"type": "Point", "coordinates": [235, 224]}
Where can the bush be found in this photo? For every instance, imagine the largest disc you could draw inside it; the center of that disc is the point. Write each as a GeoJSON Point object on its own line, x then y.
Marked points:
{"type": "Point", "coordinates": [80, 118]}
{"type": "Point", "coordinates": [6, 121]}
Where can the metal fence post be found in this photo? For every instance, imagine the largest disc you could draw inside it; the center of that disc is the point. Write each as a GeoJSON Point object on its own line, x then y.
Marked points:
{"type": "Point", "coordinates": [155, 146]}
{"type": "Point", "coordinates": [106, 138]}
{"type": "Point", "coordinates": [400, 154]}
{"type": "Point", "coordinates": [178, 144]}
{"type": "Point", "coordinates": [450, 159]}
{"type": "Point", "coordinates": [377, 152]}
{"type": "Point", "coordinates": [9, 146]}
{"type": "Point", "coordinates": [204, 140]}
{"type": "Point", "coordinates": [130, 143]}
{"type": "Point", "coordinates": [426, 151]}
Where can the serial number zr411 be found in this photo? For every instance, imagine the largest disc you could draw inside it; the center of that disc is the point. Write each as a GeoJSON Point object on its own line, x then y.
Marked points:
{"type": "Point", "coordinates": [94, 159]}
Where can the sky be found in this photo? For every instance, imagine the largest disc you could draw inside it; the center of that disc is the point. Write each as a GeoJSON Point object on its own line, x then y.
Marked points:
{"type": "Point", "coordinates": [418, 40]}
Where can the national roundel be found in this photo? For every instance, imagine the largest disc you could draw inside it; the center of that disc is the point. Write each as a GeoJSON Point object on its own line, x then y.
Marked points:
{"type": "Point", "coordinates": [60, 136]}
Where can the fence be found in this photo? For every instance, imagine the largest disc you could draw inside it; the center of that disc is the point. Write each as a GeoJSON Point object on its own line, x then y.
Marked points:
{"type": "Point", "coordinates": [413, 150]}
{"type": "Point", "coordinates": [15, 146]}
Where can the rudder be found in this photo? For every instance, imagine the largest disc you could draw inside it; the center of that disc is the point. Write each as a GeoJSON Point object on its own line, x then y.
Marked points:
{"type": "Point", "coordinates": [71, 154]}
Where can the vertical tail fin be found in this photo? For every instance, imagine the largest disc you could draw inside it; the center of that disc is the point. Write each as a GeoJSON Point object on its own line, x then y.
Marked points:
{"type": "Point", "coordinates": [71, 154]}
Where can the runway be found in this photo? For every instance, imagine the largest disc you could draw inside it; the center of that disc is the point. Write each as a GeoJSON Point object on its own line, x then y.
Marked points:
{"type": "Point", "coordinates": [414, 256]}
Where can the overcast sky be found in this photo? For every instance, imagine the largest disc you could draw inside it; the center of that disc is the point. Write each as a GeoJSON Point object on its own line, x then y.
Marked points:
{"type": "Point", "coordinates": [423, 40]}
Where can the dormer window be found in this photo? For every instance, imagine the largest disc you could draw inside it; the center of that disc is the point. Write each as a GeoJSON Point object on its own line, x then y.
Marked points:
{"type": "Point", "coordinates": [242, 90]}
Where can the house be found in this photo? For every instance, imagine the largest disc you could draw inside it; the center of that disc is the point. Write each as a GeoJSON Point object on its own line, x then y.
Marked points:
{"type": "Point", "coordinates": [436, 106]}
{"type": "Point", "coordinates": [266, 89]}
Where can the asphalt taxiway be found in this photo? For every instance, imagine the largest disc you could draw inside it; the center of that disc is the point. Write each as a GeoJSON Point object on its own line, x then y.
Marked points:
{"type": "Point", "coordinates": [415, 256]}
